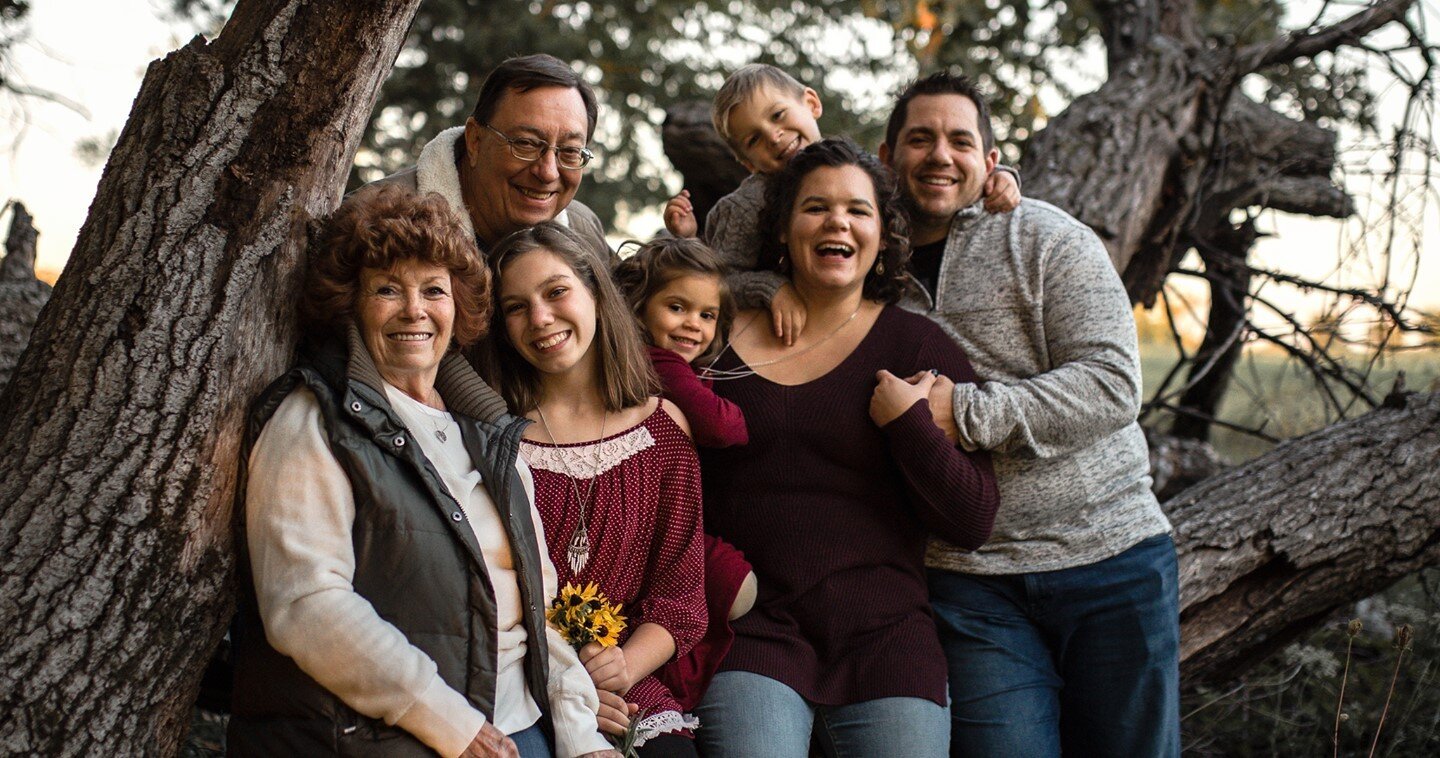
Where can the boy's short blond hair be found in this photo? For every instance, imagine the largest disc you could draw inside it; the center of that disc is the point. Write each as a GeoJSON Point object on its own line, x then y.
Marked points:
{"type": "Point", "coordinates": [741, 86]}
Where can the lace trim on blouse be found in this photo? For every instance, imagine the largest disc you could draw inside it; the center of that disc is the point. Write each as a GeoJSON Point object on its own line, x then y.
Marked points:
{"type": "Point", "coordinates": [590, 459]}
{"type": "Point", "coordinates": [664, 722]}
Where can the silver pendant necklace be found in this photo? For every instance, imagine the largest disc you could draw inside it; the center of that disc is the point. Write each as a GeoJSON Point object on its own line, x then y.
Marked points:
{"type": "Point", "coordinates": [577, 550]}
{"type": "Point", "coordinates": [438, 422]}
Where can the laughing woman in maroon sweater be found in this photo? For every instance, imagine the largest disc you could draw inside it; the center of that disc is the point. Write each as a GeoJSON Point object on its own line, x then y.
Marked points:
{"type": "Point", "coordinates": [844, 478]}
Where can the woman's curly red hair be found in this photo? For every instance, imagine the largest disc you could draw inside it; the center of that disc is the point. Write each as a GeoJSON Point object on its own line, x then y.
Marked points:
{"type": "Point", "coordinates": [378, 228]}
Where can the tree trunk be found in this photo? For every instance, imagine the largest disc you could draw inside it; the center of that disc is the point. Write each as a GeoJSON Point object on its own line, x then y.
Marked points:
{"type": "Point", "coordinates": [1123, 160]}
{"type": "Point", "coordinates": [1224, 251]}
{"type": "Point", "coordinates": [21, 294]}
{"type": "Point", "coordinates": [120, 450]}
{"type": "Point", "coordinates": [1138, 158]}
{"type": "Point", "coordinates": [1273, 547]}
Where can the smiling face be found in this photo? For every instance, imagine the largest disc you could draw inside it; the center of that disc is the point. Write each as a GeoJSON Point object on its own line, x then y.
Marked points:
{"type": "Point", "coordinates": [682, 315]}
{"type": "Point", "coordinates": [771, 126]}
{"type": "Point", "coordinates": [939, 157]}
{"type": "Point", "coordinates": [549, 313]}
{"type": "Point", "coordinates": [504, 193]}
{"type": "Point", "coordinates": [834, 231]}
{"type": "Point", "coordinates": [406, 316]}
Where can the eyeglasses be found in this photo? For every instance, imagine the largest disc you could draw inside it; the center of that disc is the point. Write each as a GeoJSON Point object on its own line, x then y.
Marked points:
{"type": "Point", "coordinates": [529, 149]}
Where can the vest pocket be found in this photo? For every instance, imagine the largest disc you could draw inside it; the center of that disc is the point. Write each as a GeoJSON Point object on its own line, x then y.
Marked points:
{"type": "Point", "coordinates": [359, 736]}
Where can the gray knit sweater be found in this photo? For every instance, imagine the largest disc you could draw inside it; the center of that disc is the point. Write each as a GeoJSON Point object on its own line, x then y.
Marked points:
{"type": "Point", "coordinates": [1034, 301]}
{"type": "Point", "coordinates": [732, 229]}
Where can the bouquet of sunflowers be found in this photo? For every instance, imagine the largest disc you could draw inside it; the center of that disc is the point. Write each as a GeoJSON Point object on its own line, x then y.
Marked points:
{"type": "Point", "coordinates": [583, 615]}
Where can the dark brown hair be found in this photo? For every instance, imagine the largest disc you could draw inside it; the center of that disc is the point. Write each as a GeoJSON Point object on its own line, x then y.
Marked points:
{"type": "Point", "coordinates": [528, 72]}
{"type": "Point", "coordinates": [622, 368]}
{"type": "Point", "coordinates": [894, 224]}
{"type": "Point", "coordinates": [663, 260]}
{"type": "Point", "coordinates": [379, 228]}
{"type": "Point", "coordinates": [941, 83]}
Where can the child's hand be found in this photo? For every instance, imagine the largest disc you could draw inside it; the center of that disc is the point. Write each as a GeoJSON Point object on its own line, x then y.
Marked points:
{"type": "Point", "coordinates": [680, 216]}
{"type": "Point", "coordinates": [615, 713]}
{"type": "Point", "coordinates": [607, 667]}
{"type": "Point", "coordinates": [1002, 193]}
{"type": "Point", "coordinates": [787, 311]}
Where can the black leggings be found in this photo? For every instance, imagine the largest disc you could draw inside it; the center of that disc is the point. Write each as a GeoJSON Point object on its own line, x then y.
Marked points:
{"type": "Point", "coordinates": [668, 746]}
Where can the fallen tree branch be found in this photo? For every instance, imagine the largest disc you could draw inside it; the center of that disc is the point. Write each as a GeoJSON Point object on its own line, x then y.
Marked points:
{"type": "Point", "coordinates": [1269, 548]}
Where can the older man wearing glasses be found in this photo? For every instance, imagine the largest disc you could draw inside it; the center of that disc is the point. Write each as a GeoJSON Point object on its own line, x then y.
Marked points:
{"type": "Point", "coordinates": [520, 156]}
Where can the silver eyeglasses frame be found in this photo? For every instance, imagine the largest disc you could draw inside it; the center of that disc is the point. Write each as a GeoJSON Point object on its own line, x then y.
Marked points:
{"type": "Point", "coordinates": [522, 147]}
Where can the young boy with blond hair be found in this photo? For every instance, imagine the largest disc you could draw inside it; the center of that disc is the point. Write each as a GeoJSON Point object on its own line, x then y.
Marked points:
{"type": "Point", "coordinates": [766, 117]}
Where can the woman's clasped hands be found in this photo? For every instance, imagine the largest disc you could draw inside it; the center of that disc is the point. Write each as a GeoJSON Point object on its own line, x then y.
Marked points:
{"type": "Point", "coordinates": [893, 396]}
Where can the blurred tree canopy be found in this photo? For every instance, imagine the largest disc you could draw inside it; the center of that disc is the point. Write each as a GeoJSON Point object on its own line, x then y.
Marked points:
{"type": "Point", "coordinates": [644, 55]}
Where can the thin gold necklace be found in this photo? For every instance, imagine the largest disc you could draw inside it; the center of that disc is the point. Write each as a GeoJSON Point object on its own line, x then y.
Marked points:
{"type": "Point", "coordinates": [712, 373]}
{"type": "Point", "coordinates": [577, 550]}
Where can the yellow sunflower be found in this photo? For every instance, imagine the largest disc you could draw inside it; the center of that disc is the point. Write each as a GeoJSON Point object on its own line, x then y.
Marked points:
{"type": "Point", "coordinates": [583, 614]}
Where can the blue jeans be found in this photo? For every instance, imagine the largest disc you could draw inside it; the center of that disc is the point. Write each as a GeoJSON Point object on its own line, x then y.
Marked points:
{"type": "Point", "coordinates": [1082, 661]}
{"type": "Point", "coordinates": [532, 743]}
{"type": "Point", "coordinates": [745, 715]}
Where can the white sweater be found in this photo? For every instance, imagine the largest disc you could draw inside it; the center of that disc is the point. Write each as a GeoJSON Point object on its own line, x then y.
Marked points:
{"type": "Point", "coordinates": [299, 513]}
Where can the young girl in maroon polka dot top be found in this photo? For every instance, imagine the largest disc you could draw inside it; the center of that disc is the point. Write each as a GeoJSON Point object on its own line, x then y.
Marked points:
{"type": "Point", "coordinates": [676, 289]}
{"type": "Point", "coordinates": [616, 480]}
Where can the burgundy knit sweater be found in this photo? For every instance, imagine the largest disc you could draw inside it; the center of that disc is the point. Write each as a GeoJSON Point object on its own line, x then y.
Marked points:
{"type": "Point", "coordinates": [714, 422]}
{"type": "Point", "coordinates": [833, 512]}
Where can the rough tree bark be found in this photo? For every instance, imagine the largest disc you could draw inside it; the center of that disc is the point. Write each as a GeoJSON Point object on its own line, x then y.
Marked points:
{"type": "Point", "coordinates": [1262, 160]}
{"type": "Point", "coordinates": [1139, 158]}
{"type": "Point", "coordinates": [1273, 547]}
{"type": "Point", "coordinates": [119, 450]}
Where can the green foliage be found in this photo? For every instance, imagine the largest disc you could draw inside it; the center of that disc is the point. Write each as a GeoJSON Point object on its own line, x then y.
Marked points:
{"type": "Point", "coordinates": [643, 55]}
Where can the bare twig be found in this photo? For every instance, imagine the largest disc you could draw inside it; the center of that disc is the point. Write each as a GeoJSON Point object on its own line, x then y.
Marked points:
{"type": "Point", "coordinates": [1403, 635]}
{"type": "Point", "coordinates": [1241, 428]}
{"type": "Point", "coordinates": [1308, 44]}
{"type": "Point", "coordinates": [1352, 630]}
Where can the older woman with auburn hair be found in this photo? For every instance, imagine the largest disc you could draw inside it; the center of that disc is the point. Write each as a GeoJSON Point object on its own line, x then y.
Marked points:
{"type": "Point", "coordinates": [395, 579]}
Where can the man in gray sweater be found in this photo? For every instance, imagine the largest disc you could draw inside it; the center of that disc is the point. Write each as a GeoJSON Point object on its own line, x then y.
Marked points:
{"type": "Point", "coordinates": [1062, 633]}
